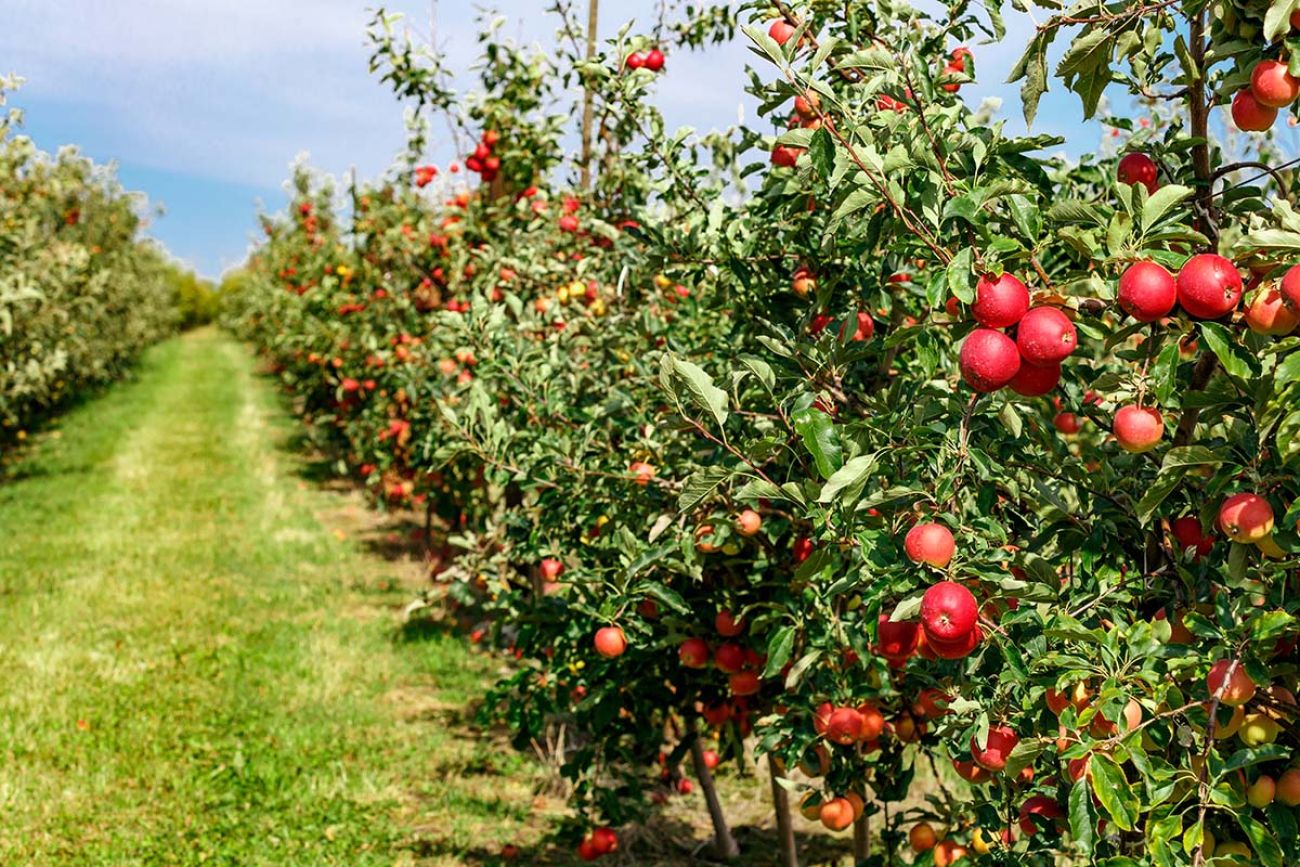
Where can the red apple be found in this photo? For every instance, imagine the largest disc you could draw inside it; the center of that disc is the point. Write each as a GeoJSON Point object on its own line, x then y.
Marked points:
{"type": "Point", "coordinates": [1291, 288]}
{"type": "Point", "coordinates": [1273, 85]}
{"type": "Point", "coordinates": [1187, 530]}
{"type": "Point", "coordinates": [635, 60]}
{"type": "Point", "coordinates": [610, 641]}
{"type": "Point", "coordinates": [1147, 291]}
{"type": "Point", "coordinates": [929, 543]}
{"type": "Point", "coordinates": [551, 569]}
{"type": "Point", "coordinates": [785, 156]}
{"type": "Point", "coordinates": [654, 60]}
{"type": "Point", "coordinates": [1209, 286]}
{"type": "Point", "coordinates": [1246, 517]}
{"type": "Point", "coordinates": [844, 726]}
{"type": "Point", "coordinates": [1269, 315]}
{"type": "Point", "coordinates": [1240, 687]}
{"type": "Point", "coordinates": [694, 653]}
{"type": "Point", "coordinates": [836, 814]}
{"type": "Point", "coordinates": [744, 683]}
{"type": "Point", "coordinates": [781, 31]}
{"type": "Point", "coordinates": [1046, 336]}
{"type": "Point", "coordinates": [749, 522]}
{"type": "Point", "coordinates": [729, 658]}
{"type": "Point", "coordinates": [711, 759]}
{"type": "Point", "coordinates": [1040, 805]}
{"type": "Point", "coordinates": [1138, 168]}
{"type": "Point", "coordinates": [988, 360]}
{"type": "Point", "coordinates": [896, 639]}
{"type": "Point", "coordinates": [1001, 741]}
{"type": "Point", "coordinates": [1138, 428]}
{"type": "Point", "coordinates": [606, 840]}
{"type": "Point", "coordinates": [727, 625]}
{"type": "Point", "coordinates": [948, 612]}
{"type": "Point", "coordinates": [1249, 115]}
{"type": "Point", "coordinates": [1034, 381]}
{"type": "Point", "coordinates": [959, 649]}
{"type": "Point", "coordinates": [1067, 423]}
{"type": "Point", "coordinates": [1000, 302]}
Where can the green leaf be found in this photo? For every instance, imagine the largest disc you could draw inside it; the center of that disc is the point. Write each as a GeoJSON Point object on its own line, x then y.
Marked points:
{"type": "Point", "coordinates": [1277, 20]}
{"type": "Point", "coordinates": [849, 478]}
{"type": "Point", "coordinates": [797, 670]}
{"type": "Point", "coordinates": [817, 430]}
{"type": "Point", "coordinates": [1160, 202]}
{"type": "Point", "coordinates": [854, 201]}
{"type": "Point", "coordinates": [698, 386]}
{"type": "Point", "coordinates": [1082, 822]}
{"type": "Point", "coordinates": [1113, 790]}
{"type": "Point", "coordinates": [821, 152]}
{"type": "Point", "coordinates": [1261, 839]}
{"type": "Point", "coordinates": [1234, 359]}
{"type": "Point", "coordinates": [779, 648]}
{"type": "Point", "coordinates": [961, 277]}
{"type": "Point", "coordinates": [700, 485]}
{"type": "Point", "coordinates": [1166, 482]}
{"type": "Point", "coordinates": [1191, 456]}
{"type": "Point", "coordinates": [1023, 755]}
{"type": "Point", "coordinates": [664, 594]}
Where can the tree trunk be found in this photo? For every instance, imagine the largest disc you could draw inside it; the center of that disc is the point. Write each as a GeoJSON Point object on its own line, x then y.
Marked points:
{"type": "Point", "coordinates": [587, 108]}
{"type": "Point", "coordinates": [784, 827]}
{"type": "Point", "coordinates": [861, 838]}
{"type": "Point", "coordinates": [724, 844]}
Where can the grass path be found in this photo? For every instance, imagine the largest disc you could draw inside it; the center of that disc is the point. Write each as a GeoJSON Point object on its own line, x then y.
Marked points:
{"type": "Point", "coordinates": [198, 669]}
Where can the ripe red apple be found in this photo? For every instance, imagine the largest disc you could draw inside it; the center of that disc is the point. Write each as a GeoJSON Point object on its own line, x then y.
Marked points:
{"type": "Point", "coordinates": [1046, 336]}
{"type": "Point", "coordinates": [635, 60]}
{"type": "Point", "coordinates": [729, 658]}
{"type": "Point", "coordinates": [1033, 380]}
{"type": "Point", "coordinates": [896, 639]}
{"type": "Point", "coordinates": [1249, 115]}
{"type": "Point", "coordinates": [1001, 741]}
{"type": "Point", "coordinates": [803, 282]}
{"type": "Point", "coordinates": [929, 543]}
{"type": "Point", "coordinates": [922, 837]}
{"type": "Point", "coordinates": [606, 840]}
{"type": "Point", "coordinates": [836, 814]}
{"type": "Point", "coordinates": [1104, 728]}
{"type": "Point", "coordinates": [948, 612]}
{"type": "Point", "coordinates": [694, 653]}
{"type": "Point", "coordinates": [1288, 788]}
{"type": "Point", "coordinates": [1067, 423]}
{"type": "Point", "coordinates": [971, 772]}
{"type": "Point", "coordinates": [1246, 517]}
{"type": "Point", "coordinates": [610, 641]}
{"type": "Point", "coordinates": [988, 360]}
{"type": "Point", "coordinates": [711, 759]}
{"type": "Point", "coordinates": [959, 56]}
{"type": "Point", "coordinates": [1187, 530]}
{"type": "Point", "coordinates": [864, 330]}
{"type": "Point", "coordinates": [1240, 688]}
{"type": "Point", "coordinates": [727, 625]}
{"type": "Point", "coordinates": [568, 223]}
{"type": "Point", "coordinates": [949, 852]}
{"type": "Point", "coordinates": [873, 722]}
{"type": "Point", "coordinates": [931, 703]}
{"type": "Point", "coordinates": [953, 69]}
{"type": "Point", "coordinates": [1209, 286]}
{"type": "Point", "coordinates": [654, 60]}
{"type": "Point", "coordinates": [802, 549]}
{"type": "Point", "coordinates": [785, 156]}
{"type": "Point", "coordinates": [1147, 291]}
{"type": "Point", "coordinates": [1138, 428]}
{"type": "Point", "coordinates": [1000, 302]}
{"type": "Point", "coordinates": [844, 726]}
{"type": "Point", "coordinates": [958, 649]}
{"type": "Point", "coordinates": [1269, 315]}
{"type": "Point", "coordinates": [781, 31]}
{"type": "Point", "coordinates": [551, 569]}
{"type": "Point", "coordinates": [1273, 85]}
{"type": "Point", "coordinates": [744, 683]}
{"type": "Point", "coordinates": [1290, 288]}
{"type": "Point", "coordinates": [749, 522]}
{"type": "Point", "coordinates": [642, 472]}
{"type": "Point", "coordinates": [1137, 168]}
{"type": "Point", "coordinates": [807, 104]}
{"type": "Point", "coordinates": [1040, 805]}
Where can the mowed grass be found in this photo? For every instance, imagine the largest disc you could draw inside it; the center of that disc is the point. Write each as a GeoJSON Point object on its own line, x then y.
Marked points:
{"type": "Point", "coordinates": [197, 669]}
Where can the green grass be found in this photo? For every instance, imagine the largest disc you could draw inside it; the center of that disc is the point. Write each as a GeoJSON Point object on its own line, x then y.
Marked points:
{"type": "Point", "coordinates": [197, 669]}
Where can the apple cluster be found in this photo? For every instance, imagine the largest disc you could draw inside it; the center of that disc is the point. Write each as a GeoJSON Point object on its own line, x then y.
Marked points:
{"type": "Point", "coordinates": [1031, 363]}
{"type": "Point", "coordinates": [483, 161]}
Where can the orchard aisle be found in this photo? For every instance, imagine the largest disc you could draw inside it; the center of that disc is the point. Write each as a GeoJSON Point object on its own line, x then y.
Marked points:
{"type": "Point", "coordinates": [198, 669]}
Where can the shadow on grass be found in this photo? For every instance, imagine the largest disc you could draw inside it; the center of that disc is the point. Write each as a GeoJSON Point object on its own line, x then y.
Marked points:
{"type": "Point", "coordinates": [661, 842]}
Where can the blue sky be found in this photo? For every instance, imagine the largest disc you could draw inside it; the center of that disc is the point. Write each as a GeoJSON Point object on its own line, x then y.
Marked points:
{"type": "Point", "coordinates": [204, 104]}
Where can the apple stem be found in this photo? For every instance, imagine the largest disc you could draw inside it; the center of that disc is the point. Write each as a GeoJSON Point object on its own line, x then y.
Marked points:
{"type": "Point", "coordinates": [724, 844]}
{"type": "Point", "coordinates": [784, 827]}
